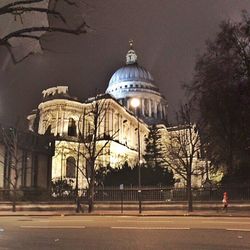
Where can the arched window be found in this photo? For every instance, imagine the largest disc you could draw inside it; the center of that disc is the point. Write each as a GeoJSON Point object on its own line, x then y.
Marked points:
{"type": "Point", "coordinates": [70, 167]}
{"type": "Point", "coordinates": [72, 127]}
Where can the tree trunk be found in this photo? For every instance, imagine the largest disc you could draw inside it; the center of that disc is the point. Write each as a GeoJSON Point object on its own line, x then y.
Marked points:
{"type": "Point", "coordinates": [14, 201]}
{"type": "Point", "coordinates": [91, 195]}
{"type": "Point", "coordinates": [189, 194]}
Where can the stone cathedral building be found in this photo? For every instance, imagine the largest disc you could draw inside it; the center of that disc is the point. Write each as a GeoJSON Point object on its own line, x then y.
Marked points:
{"type": "Point", "coordinates": [66, 117]}
{"type": "Point", "coordinates": [61, 114]}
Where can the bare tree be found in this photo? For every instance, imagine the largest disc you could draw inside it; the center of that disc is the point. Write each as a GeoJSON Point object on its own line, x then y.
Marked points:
{"type": "Point", "coordinates": [10, 138]}
{"type": "Point", "coordinates": [31, 21]}
{"type": "Point", "coordinates": [182, 149]}
{"type": "Point", "coordinates": [92, 142]}
{"type": "Point", "coordinates": [95, 140]}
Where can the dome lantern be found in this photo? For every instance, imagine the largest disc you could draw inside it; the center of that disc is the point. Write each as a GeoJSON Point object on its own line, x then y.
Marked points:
{"type": "Point", "coordinates": [131, 56]}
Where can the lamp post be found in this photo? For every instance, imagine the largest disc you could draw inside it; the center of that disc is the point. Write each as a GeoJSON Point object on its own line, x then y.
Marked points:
{"type": "Point", "coordinates": [62, 163]}
{"type": "Point", "coordinates": [78, 206]}
{"type": "Point", "coordinates": [135, 103]}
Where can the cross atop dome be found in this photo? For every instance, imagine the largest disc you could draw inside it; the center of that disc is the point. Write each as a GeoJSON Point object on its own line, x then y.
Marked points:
{"type": "Point", "coordinates": [131, 56]}
{"type": "Point", "coordinates": [131, 43]}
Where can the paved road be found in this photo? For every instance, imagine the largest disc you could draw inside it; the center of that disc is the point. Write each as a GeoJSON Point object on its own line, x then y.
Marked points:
{"type": "Point", "coordinates": [130, 232]}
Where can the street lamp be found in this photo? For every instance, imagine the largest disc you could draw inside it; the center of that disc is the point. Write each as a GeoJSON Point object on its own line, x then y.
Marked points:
{"type": "Point", "coordinates": [135, 103]}
{"type": "Point", "coordinates": [78, 206]}
{"type": "Point", "coordinates": [63, 156]}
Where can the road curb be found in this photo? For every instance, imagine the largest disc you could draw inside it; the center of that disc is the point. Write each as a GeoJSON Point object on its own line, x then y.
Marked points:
{"type": "Point", "coordinates": [124, 214]}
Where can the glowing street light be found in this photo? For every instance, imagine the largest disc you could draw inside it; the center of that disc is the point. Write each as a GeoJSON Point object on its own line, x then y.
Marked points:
{"type": "Point", "coordinates": [135, 103]}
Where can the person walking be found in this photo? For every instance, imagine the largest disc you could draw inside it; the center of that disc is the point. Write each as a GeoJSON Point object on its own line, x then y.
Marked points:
{"type": "Point", "coordinates": [225, 201]}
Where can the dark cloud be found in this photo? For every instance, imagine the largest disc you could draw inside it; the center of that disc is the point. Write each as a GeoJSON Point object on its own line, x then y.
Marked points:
{"type": "Point", "coordinates": [167, 36]}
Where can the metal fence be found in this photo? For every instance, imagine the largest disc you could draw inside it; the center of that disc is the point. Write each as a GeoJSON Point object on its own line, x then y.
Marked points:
{"type": "Point", "coordinates": [172, 194]}
{"type": "Point", "coordinates": [161, 194]}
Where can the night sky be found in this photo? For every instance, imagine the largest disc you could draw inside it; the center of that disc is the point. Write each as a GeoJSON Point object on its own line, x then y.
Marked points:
{"type": "Point", "coordinates": [167, 37]}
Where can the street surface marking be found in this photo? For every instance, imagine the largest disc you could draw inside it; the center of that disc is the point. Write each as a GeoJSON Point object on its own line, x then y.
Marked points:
{"type": "Point", "coordinates": [227, 222]}
{"type": "Point", "coordinates": [238, 229]}
{"type": "Point", "coordinates": [145, 221]}
{"type": "Point", "coordinates": [58, 220]}
{"type": "Point", "coordinates": [152, 228]}
{"type": "Point", "coordinates": [224, 218]}
{"type": "Point", "coordinates": [54, 227]}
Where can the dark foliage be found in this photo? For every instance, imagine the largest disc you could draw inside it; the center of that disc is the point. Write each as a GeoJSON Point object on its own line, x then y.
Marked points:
{"type": "Point", "coordinates": [128, 176]}
{"type": "Point", "coordinates": [240, 176]}
{"type": "Point", "coordinates": [62, 188]}
{"type": "Point", "coordinates": [221, 89]}
{"type": "Point", "coordinates": [154, 153]}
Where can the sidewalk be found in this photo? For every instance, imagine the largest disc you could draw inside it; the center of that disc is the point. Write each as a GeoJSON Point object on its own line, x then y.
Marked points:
{"type": "Point", "coordinates": [207, 213]}
{"type": "Point", "coordinates": [236, 209]}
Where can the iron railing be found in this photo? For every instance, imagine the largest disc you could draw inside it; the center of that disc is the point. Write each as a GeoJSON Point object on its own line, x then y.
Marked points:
{"type": "Point", "coordinates": [161, 194]}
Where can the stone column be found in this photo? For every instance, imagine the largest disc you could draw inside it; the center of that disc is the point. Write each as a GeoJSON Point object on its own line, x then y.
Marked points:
{"type": "Point", "coordinates": [62, 122]}
{"type": "Point", "coordinates": [110, 122]}
{"type": "Point", "coordinates": [164, 112]}
{"type": "Point", "coordinates": [56, 128]}
{"type": "Point", "coordinates": [128, 134]}
{"type": "Point", "coordinates": [128, 103]}
{"type": "Point", "coordinates": [41, 129]}
{"type": "Point", "coordinates": [121, 128]}
{"type": "Point", "coordinates": [118, 126]}
{"type": "Point", "coordinates": [162, 115]}
{"type": "Point", "coordinates": [155, 108]}
{"type": "Point", "coordinates": [149, 108]}
{"type": "Point", "coordinates": [142, 107]}
{"type": "Point", "coordinates": [160, 109]}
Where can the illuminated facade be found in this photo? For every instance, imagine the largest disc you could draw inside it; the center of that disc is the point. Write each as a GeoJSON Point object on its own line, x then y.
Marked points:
{"type": "Point", "coordinates": [62, 116]}
{"type": "Point", "coordinates": [66, 118]}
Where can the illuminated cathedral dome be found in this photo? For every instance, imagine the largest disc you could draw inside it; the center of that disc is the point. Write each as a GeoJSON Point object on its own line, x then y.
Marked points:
{"type": "Point", "coordinates": [134, 81]}
{"type": "Point", "coordinates": [131, 72]}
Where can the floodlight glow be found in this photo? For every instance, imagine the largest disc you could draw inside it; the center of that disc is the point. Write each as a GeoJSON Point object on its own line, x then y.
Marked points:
{"type": "Point", "coordinates": [135, 102]}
